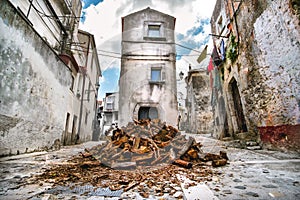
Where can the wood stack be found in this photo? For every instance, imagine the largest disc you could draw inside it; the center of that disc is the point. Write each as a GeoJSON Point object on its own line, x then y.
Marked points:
{"type": "Point", "coordinates": [147, 143]}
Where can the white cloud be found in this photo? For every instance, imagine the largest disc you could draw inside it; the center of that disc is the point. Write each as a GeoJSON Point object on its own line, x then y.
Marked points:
{"type": "Point", "coordinates": [104, 20]}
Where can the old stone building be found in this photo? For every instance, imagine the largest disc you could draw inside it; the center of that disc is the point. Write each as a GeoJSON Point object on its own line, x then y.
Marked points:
{"type": "Point", "coordinates": [110, 111]}
{"type": "Point", "coordinates": [48, 81]}
{"type": "Point", "coordinates": [148, 72]}
{"type": "Point", "coordinates": [256, 71]}
{"type": "Point", "coordinates": [199, 119]}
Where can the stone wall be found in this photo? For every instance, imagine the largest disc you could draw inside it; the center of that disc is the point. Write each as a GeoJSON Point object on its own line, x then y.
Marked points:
{"type": "Point", "coordinates": [200, 118]}
{"type": "Point", "coordinates": [34, 87]}
{"type": "Point", "coordinates": [267, 69]}
{"type": "Point", "coordinates": [271, 60]}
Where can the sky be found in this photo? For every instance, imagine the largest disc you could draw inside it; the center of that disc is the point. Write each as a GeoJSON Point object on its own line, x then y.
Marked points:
{"type": "Point", "coordinates": [102, 18]}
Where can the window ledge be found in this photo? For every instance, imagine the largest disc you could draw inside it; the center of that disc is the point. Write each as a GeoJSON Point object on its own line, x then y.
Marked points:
{"type": "Point", "coordinates": [157, 82]}
{"type": "Point", "coordinates": [155, 38]}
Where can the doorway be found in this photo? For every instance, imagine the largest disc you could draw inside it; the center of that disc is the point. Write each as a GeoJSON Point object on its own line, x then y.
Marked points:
{"type": "Point", "coordinates": [147, 113]}
{"type": "Point", "coordinates": [74, 131]}
{"type": "Point", "coordinates": [237, 106]}
{"type": "Point", "coordinates": [66, 133]}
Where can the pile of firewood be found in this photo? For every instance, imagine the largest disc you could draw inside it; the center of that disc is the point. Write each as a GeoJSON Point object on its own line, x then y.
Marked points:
{"type": "Point", "coordinates": [151, 142]}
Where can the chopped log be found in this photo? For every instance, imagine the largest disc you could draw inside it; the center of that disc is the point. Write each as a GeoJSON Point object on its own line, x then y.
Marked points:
{"type": "Point", "coordinates": [183, 163]}
{"type": "Point", "coordinates": [131, 185]}
{"type": "Point", "coordinates": [218, 163]}
{"type": "Point", "coordinates": [223, 154]}
{"type": "Point", "coordinates": [150, 142]}
{"type": "Point", "coordinates": [185, 147]}
{"type": "Point", "coordinates": [86, 154]}
{"type": "Point", "coordinates": [136, 143]}
{"type": "Point", "coordinates": [211, 157]}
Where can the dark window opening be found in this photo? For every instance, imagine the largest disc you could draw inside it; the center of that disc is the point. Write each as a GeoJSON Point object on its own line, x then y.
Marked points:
{"type": "Point", "coordinates": [147, 113]}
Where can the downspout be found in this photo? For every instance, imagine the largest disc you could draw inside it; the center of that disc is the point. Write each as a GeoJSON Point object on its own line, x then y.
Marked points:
{"type": "Point", "coordinates": [82, 90]}
{"type": "Point", "coordinates": [65, 34]}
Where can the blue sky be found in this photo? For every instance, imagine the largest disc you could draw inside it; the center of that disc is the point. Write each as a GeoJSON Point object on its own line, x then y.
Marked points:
{"type": "Point", "coordinates": [102, 18]}
{"type": "Point", "coordinates": [87, 3]}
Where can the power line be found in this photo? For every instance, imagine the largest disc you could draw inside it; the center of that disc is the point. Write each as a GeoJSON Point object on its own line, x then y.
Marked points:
{"type": "Point", "coordinates": [101, 54]}
{"type": "Point", "coordinates": [109, 52]}
{"type": "Point", "coordinates": [50, 16]}
{"type": "Point", "coordinates": [158, 42]}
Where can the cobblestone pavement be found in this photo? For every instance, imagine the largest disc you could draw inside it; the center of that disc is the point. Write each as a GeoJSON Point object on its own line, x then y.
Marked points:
{"type": "Point", "coordinates": [250, 174]}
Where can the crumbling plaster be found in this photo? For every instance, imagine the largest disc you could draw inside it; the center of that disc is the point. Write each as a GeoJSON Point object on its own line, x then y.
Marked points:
{"type": "Point", "coordinates": [34, 87]}
{"type": "Point", "coordinates": [267, 68]}
{"type": "Point", "coordinates": [271, 60]}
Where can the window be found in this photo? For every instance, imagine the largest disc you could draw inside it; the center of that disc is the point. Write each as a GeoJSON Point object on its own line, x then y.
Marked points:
{"type": "Point", "coordinates": [109, 106]}
{"type": "Point", "coordinates": [153, 30]}
{"type": "Point", "coordinates": [89, 90]}
{"type": "Point", "coordinates": [72, 83]}
{"type": "Point", "coordinates": [86, 117]}
{"type": "Point", "coordinates": [156, 74]}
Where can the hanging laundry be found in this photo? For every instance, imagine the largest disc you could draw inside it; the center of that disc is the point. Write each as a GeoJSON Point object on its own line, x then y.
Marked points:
{"type": "Point", "coordinates": [222, 50]}
{"type": "Point", "coordinates": [216, 57]}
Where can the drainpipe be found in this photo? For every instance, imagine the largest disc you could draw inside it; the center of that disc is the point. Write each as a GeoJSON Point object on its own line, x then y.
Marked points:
{"type": "Point", "coordinates": [65, 34]}
{"type": "Point", "coordinates": [82, 90]}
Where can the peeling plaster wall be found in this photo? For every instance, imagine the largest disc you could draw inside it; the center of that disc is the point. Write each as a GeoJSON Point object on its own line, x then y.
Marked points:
{"type": "Point", "coordinates": [267, 69]}
{"type": "Point", "coordinates": [200, 118]}
{"type": "Point", "coordinates": [34, 87]}
{"type": "Point", "coordinates": [270, 63]}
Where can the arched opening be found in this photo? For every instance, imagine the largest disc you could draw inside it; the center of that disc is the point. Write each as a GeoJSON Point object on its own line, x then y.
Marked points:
{"type": "Point", "coordinates": [147, 113]}
{"type": "Point", "coordinates": [238, 109]}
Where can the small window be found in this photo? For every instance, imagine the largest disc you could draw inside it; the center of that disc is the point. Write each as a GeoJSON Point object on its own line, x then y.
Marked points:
{"type": "Point", "coordinates": [86, 117]}
{"type": "Point", "coordinates": [109, 106]}
{"type": "Point", "coordinates": [154, 31]}
{"type": "Point", "coordinates": [72, 84]}
{"type": "Point", "coordinates": [156, 74]}
{"type": "Point", "coordinates": [89, 90]}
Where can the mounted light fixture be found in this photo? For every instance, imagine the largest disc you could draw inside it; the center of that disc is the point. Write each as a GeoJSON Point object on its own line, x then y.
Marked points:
{"type": "Point", "coordinates": [181, 74]}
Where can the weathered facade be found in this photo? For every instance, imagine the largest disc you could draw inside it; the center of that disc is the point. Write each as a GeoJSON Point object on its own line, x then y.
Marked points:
{"type": "Point", "coordinates": [110, 111]}
{"type": "Point", "coordinates": [85, 89]}
{"type": "Point", "coordinates": [40, 76]}
{"type": "Point", "coordinates": [256, 86]}
{"type": "Point", "coordinates": [148, 72]}
{"type": "Point", "coordinates": [199, 114]}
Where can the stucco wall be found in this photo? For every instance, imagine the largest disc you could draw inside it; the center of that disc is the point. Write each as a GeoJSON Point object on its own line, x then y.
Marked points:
{"type": "Point", "coordinates": [34, 87]}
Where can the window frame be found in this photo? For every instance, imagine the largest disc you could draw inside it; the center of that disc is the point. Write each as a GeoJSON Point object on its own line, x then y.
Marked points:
{"type": "Point", "coordinates": [155, 37]}
{"type": "Point", "coordinates": [157, 67]}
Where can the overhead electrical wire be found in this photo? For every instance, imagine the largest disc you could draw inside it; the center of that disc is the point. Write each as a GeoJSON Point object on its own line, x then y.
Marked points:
{"type": "Point", "coordinates": [53, 17]}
